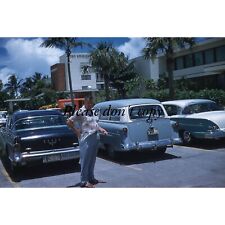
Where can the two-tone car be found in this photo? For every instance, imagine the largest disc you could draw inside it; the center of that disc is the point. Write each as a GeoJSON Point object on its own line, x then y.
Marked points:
{"type": "Point", "coordinates": [134, 125]}
{"type": "Point", "coordinates": [197, 119]}
{"type": "Point", "coordinates": [38, 136]}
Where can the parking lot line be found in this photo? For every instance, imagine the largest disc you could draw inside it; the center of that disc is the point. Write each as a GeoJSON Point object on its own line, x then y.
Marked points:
{"type": "Point", "coordinates": [134, 167]}
{"type": "Point", "coordinates": [198, 149]}
{"type": "Point", "coordinates": [5, 174]}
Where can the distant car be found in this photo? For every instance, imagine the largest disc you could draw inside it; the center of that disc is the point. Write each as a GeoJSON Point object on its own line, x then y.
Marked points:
{"type": "Point", "coordinates": [3, 118]}
{"type": "Point", "coordinates": [38, 136]}
{"type": "Point", "coordinates": [197, 118]}
{"type": "Point", "coordinates": [130, 130]}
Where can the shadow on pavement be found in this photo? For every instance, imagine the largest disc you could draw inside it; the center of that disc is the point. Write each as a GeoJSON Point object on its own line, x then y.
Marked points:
{"type": "Point", "coordinates": [208, 144]}
{"type": "Point", "coordinates": [43, 170]}
{"type": "Point", "coordinates": [128, 158]}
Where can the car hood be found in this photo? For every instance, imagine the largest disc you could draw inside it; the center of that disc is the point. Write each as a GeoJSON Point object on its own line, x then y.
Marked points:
{"type": "Point", "coordinates": [217, 117]}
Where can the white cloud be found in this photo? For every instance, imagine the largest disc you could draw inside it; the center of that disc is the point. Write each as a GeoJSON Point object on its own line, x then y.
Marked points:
{"type": "Point", "coordinates": [133, 47]}
{"type": "Point", "coordinates": [25, 57]}
{"type": "Point", "coordinates": [4, 74]}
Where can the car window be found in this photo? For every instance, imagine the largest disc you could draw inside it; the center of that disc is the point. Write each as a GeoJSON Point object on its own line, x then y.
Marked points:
{"type": "Point", "coordinates": [201, 107]}
{"type": "Point", "coordinates": [146, 111]}
{"type": "Point", "coordinates": [103, 114]}
{"type": "Point", "coordinates": [172, 110]}
{"type": "Point", "coordinates": [40, 121]}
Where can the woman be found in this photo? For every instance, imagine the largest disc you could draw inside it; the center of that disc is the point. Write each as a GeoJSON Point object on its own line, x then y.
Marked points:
{"type": "Point", "coordinates": [84, 124]}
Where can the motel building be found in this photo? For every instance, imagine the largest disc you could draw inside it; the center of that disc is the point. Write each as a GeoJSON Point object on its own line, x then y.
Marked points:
{"type": "Point", "coordinates": [204, 63]}
{"type": "Point", "coordinates": [83, 83]}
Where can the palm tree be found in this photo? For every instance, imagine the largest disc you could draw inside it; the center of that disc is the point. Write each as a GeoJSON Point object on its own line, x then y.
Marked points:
{"type": "Point", "coordinates": [122, 72]}
{"type": "Point", "coordinates": [166, 46]}
{"type": "Point", "coordinates": [13, 86]}
{"type": "Point", "coordinates": [101, 61]}
{"type": "Point", "coordinates": [67, 44]}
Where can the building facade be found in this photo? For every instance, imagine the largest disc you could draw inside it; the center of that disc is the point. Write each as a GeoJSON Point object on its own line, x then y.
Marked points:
{"type": "Point", "coordinates": [203, 63]}
{"type": "Point", "coordinates": [84, 79]}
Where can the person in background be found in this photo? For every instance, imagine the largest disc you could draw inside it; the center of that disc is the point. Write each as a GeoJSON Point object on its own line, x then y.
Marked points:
{"type": "Point", "coordinates": [85, 125]}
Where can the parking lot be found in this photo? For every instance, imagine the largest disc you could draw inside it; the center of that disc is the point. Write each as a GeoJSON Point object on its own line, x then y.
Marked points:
{"type": "Point", "coordinates": [201, 165]}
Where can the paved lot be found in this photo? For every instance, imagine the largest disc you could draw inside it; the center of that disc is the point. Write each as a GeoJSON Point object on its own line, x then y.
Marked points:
{"type": "Point", "coordinates": [201, 165]}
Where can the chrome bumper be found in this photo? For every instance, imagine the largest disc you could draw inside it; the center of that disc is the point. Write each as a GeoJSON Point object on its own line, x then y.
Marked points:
{"type": "Point", "coordinates": [59, 154]}
{"type": "Point", "coordinates": [217, 134]}
{"type": "Point", "coordinates": [147, 145]}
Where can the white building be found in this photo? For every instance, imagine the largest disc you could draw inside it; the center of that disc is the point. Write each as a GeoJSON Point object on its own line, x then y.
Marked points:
{"type": "Point", "coordinates": [80, 80]}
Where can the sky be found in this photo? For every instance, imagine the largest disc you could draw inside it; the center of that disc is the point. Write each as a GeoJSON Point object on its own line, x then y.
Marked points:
{"type": "Point", "coordinates": [24, 56]}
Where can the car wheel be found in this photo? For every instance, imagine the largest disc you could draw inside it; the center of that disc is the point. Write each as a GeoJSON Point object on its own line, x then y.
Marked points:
{"type": "Point", "coordinates": [12, 168]}
{"type": "Point", "coordinates": [112, 153]}
{"type": "Point", "coordinates": [186, 137]}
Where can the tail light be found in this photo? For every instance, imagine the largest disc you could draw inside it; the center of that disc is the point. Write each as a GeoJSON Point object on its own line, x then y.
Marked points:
{"type": "Point", "coordinates": [17, 143]}
{"type": "Point", "coordinates": [175, 124]}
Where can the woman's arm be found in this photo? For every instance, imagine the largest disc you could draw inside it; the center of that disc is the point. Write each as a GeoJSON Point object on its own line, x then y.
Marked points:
{"type": "Point", "coordinates": [70, 124]}
{"type": "Point", "coordinates": [102, 130]}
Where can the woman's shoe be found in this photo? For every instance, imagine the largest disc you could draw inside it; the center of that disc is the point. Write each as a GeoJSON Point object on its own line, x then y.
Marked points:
{"type": "Point", "coordinates": [86, 185]}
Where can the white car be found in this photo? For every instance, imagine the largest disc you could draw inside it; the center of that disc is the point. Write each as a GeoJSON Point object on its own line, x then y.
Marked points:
{"type": "Point", "coordinates": [3, 118]}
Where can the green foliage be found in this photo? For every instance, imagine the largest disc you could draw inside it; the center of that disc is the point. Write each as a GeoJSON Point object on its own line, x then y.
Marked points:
{"type": "Point", "coordinates": [13, 86]}
{"type": "Point", "coordinates": [114, 66]}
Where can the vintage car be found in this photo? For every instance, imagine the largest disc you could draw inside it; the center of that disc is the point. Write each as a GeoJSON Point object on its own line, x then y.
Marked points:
{"type": "Point", "coordinates": [38, 136]}
{"type": "Point", "coordinates": [3, 118]}
{"type": "Point", "coordinates": [134, 124]}
{"type": "Point", "coordinates": [197, 118]}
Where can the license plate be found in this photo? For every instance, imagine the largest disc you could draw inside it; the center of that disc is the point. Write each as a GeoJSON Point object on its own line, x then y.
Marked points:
{"type": "Point", "coordinates": [152, 131]}
{"type": "Point", "coordinates": [51, 158]}
{"type": "Point", "coordinates": [60, 157]}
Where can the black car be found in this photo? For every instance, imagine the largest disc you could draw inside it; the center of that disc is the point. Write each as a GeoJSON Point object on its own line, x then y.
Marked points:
{"type": "Point", "coordinates": [38, 136]}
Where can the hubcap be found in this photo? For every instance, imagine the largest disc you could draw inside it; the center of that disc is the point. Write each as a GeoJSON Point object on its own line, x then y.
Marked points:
{"type": "Point", "coordinates": [187, 136]}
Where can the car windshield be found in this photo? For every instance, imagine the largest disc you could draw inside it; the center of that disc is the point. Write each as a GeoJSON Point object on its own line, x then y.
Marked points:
{"type": "Point", "coordinates": [172, 110]}
{"type": "Point", "coordinates": [2, 116]}
{"type": "Point", "coordinates": [146, 111]}
{"type": "Point", "coordinates": [40, 121]}
{"type": "Point", "coordinates": [201, 107]}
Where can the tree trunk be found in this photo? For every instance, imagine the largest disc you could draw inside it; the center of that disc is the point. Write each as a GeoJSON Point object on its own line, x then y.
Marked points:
{"type": "Point", "coordinates": [170, 66]}
{"type": "Point", "coordinates": [169, 63]}
{"type": "Point", "coordinates": [107, 91]}
{"type": "Point", "coordinates": [68, 52]}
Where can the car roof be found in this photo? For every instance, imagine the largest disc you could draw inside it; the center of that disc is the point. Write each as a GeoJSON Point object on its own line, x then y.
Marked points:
{"type": "Point", "coordinates": [30, 113]}
{"type": "Point", "coordinates": [185, 102]}
{"type": "Point", "coordinates": [126, 102]}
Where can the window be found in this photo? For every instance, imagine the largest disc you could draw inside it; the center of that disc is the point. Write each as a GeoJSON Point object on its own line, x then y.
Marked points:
{"type": "Point", "coordinates": [209, 56]}
{"type": "Point", "coordinates": [103, 114]}
{"type": "Point", "coordinates": [172, 110]}
{"type": "Point", "coordinates": [201, 107]}
{"type": "Point", "coordinates": [85, 77]}
{"type": "Point", "coordinates": [179, 63]}
{"type": "Point", "coordinates": [188, 61]}
{"type": "Point", "coordinates": [146, 111]}
{"type": "Point", "coordinates": [40, 121]}
{"type": "Point", "coordinates": [198, 58]}
{"type": "Point", "coordinates": [220, 53]}
{"type": "Point", "coordinates": [84, 87]}
{"type": "Point", "coordinates": [100, 86]}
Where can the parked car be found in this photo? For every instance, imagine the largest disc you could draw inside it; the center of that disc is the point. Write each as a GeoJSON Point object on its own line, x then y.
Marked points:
{"type": "Point", "coordinates": [130, 130]}
{"type": "Point", "coordinates": [3, 118]}
{"type": "Point", "coordinates": [38, 136]}
{"type": "Point", "coordinates": [197, 118]}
